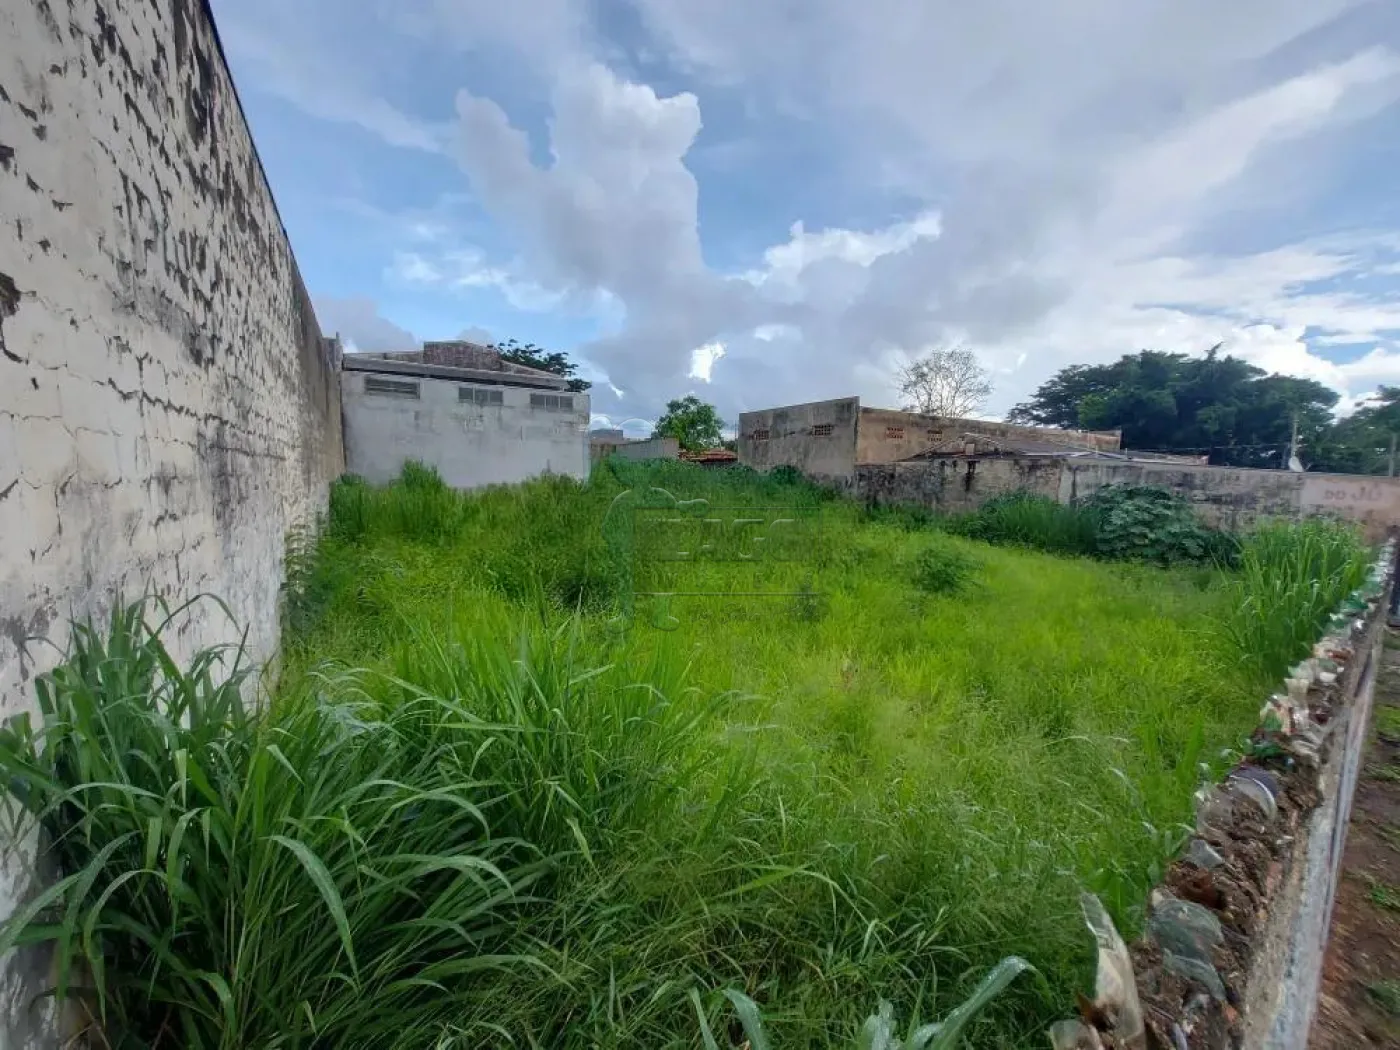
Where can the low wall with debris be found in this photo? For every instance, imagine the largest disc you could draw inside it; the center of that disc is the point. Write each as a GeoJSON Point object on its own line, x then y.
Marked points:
{"type": "Point", "coordinates": [1236, 934]}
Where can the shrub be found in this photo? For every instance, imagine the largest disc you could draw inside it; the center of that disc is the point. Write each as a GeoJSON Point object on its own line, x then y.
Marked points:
{"type": "Point", "coordinates": [1143, 523]}
{"type": "Point", "coordinates": [944, 569]}
{"type": "Point", "coordinates": [1121, 522]}
{"type": "Point", "coordinates": [1028, 520]}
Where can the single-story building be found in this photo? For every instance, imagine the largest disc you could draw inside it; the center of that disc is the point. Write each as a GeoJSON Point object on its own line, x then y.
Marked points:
{"type": "Point", "coordinates": [604, 443]}
{"type": "Point", "coordinates": [460, 408]}
{"type": "Point", "coordinates": [830, 439]}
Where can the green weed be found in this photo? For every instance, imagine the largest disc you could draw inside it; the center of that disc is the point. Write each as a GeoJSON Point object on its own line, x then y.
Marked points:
{"type": "Point", "coordinates": [1026, 520]}
{"type": "Point", "coordinates": [1383, 894]}
{"type": "Point", "coordinates": [1386, 995]}
{"type": "Point", "coordinates": [942, 568]}
{"type": "Point", "coordinates": [1291, 579]}
{"type": "Point", "coordinates": [1388, 720]}
{"type": "Point", "coordinates": [1124, 522]}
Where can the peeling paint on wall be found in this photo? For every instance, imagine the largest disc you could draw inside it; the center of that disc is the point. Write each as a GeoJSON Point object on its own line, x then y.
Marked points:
{"type": "Point", "coordinates": [168, 408]}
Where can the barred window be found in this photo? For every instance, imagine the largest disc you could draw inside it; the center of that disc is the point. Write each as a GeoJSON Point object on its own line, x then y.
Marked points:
{"type": "Point", "coordinates": [822, 430]}
{"type": "Point", "coordinates": [894, 433]}
{"type": "Point", "coordinates": [390, 387]}
{"type": "Point", "coordinates": [552, 402]}
{"type": "Point", "coordinates": [759, 435]}
{"type": "Point", "coordinates": [480, 395]}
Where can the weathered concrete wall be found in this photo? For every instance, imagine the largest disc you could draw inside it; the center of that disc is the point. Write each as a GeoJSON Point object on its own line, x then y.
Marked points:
{"type": "Point", "coordinates": [818, 438]}
{"type": "Point", "coordinates": [1375, 502]}
{"type": "Point", "coordinates": [168, 408]}
{"type": "Point", "coordinates": [1238, 498]}
{"type": "Point", "coordinates": [1228, 498]}
{"type": "Point", "coordinates": [650, 448]}
{"type": "Point", "coordinates": [955, 484]}
{"type": "Point", "coordinates": [887, 436]}
{"type": "Point", "coordinates": [470, 444]}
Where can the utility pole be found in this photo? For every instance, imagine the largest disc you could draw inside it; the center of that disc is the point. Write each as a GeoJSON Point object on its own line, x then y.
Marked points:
{"type": "Point", "coordinates": [1293, 446]}
{"type": "Point", "coordinates": [1392, 454]}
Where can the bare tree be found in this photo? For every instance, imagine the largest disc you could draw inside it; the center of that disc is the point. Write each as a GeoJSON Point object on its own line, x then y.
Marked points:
{"type": "Point", "coordinates": [945, 383]}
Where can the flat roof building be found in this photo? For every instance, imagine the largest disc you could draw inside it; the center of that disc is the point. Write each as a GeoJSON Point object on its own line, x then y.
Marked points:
{"type": "Point", "coordinates": [458, 407]}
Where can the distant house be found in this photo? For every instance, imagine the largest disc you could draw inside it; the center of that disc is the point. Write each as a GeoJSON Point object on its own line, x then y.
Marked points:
{"type": "Point", "coordinates": [604, 443]}
{"type": "Point", "coordinates": [831, 439]}
{"type": "Point", "coordinates": [712, 457]}
{"type": "Point", "coordinates": [459, 407]}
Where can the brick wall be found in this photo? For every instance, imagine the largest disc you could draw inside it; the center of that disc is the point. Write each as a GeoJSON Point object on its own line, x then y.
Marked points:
{"type": "Point", "coordinates": [461, 355]}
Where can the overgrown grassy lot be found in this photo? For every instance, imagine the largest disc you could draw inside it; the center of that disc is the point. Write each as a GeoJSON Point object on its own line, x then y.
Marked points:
{"type": "Point", "coordinates": [483, 808]}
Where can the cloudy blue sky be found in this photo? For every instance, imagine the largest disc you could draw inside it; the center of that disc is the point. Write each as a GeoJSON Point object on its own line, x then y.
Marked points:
{"type": "Point", "coordinates": [770, 201]}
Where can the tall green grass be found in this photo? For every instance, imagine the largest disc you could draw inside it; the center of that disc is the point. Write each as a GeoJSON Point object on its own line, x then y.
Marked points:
{"type": "Point", "coordinates": [476, 812]}
{"type": "Point", "coordinates": [1292, 578]}
{"type": "Point", "coordinates": [1024, 519]}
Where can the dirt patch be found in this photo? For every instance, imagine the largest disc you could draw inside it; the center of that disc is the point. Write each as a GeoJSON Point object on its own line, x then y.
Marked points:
{"type": "Point", "coordinates": [1360, 1002]}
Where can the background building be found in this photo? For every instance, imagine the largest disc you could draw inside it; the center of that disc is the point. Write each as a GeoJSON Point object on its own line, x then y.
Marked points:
{"type": "Point", "coordinates": [458, 407]}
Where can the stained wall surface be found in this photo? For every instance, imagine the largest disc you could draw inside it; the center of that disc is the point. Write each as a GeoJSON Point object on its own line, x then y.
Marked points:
{"type": "Point", "coordinates": [818, 439]}
{"type": "Point", "coordinates": [168, 407]}
{"type": "Point", "coordinates": [956, 484]}
{"type": "Point", "coordinates": [888, 436]}
{"type": "Point", "coordinates": [648, 448]}
{"type": "Point", "coordinates": [1233, 499]}
{"type": "Point", "coordinates": [471, 444]}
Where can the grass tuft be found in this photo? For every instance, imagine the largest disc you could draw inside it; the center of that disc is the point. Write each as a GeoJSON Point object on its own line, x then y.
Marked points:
{"type": "Point", "coordinates": [1292, 577]}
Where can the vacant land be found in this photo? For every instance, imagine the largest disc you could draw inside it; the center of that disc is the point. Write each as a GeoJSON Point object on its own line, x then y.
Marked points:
{"type": "Point", "coordinates": [885, 787]}
{"type": "Point", "coordinates": [505, 791]}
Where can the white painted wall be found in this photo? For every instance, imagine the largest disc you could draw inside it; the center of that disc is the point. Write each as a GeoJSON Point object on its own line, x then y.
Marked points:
{"type": "Point", "coordinates": [168, 409]}
{"type": "Point", "coordinates": [471, 445]}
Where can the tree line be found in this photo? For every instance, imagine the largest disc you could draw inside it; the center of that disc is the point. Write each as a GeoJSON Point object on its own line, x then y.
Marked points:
{"type": "Point", "coordinates": [1221, 407]}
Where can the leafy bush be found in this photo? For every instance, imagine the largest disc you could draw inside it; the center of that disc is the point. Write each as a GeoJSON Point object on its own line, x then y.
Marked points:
{"type": "Point", "coordinates": [1292, 577]}
{"type": "Point", "coordinates": [1143, 523]}
{"type": "Point", "coordinates": [944, 569]}
{"type": "Point", "coordinates": [1120, 522]}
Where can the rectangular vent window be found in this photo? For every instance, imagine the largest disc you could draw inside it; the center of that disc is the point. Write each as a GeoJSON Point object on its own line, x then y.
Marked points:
{"type": "Point", "coordinates": [894, 433]}
{"type": "Point", "coordinates": [480, 395]}
{"type": "Point", "coordinates": [390, 387]}
{"type": "Point", "coordinates": [759, 435]}
{"type": "Point", "coordinates": [822, 430]}
{"type": "Point", "coordinates": [552, 402]}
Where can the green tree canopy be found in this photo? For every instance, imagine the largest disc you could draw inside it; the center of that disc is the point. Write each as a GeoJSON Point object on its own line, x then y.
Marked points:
{"type": "Point", "coordinates": [532, 356]}
{"type": "Point", "coordinates": [1216, 404]}
{"type": "Point", "coordinates": [692, 422]}
{"type": "Point", "coordinates": [1360, 443]}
